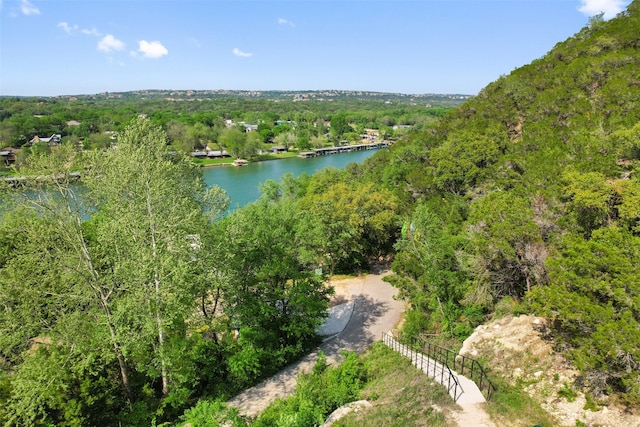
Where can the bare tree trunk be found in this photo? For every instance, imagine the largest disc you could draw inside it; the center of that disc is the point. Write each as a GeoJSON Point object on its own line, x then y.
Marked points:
{"type": "Point", "coordinates": [124, 371]}
{"type": "Point", "coordinates": [163, 365]}
{"type": "Point", "coordinates": [78, 236]}
{"type": "Point", "coordinates": [158, 295]}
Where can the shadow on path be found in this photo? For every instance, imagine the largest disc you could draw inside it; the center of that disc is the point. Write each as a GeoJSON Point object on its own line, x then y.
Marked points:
{"type": "Point", "coordinates": [375, 311]}
{"type": "Point", "coordinates": [357, 335]}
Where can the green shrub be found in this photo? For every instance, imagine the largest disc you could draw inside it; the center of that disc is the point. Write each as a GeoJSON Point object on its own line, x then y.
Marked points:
{"type": "Point", "coordinates": [567, 392]}
{"type": "Point", "coordinates": [317, 394]}
{"type": "Point", "coordinates": [208, 413]}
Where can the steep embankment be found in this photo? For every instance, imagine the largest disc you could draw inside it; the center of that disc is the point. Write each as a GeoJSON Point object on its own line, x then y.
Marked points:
{"type": "Point", "coordinates": [528, 196]}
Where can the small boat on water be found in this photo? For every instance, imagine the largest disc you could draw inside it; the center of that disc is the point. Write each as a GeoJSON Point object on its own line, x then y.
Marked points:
{"type": "Point", "coordinates": [240, 162]}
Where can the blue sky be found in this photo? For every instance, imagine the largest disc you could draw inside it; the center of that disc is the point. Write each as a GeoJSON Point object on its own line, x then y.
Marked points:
{"type": "Point", "coordinates": [70, 47]}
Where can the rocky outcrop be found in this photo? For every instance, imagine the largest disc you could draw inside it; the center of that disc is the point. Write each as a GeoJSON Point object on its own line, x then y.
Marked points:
{"type": "Point", "coordinates": [518, 349]}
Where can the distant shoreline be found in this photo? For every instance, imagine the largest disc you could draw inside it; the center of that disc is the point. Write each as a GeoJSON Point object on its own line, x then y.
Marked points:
{"type": "Point", "coordinates": [269, 157]}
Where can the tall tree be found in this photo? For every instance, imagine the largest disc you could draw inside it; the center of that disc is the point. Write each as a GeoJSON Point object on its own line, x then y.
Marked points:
{"type": "Point", "coordinates": [339, 126]}
{"type": "Point", "coordinates": [593, 299]}
{"type": "Point", "coordinates": [286, 139]}
{"type": "Point", "coordinates": [52, 254]}
{"type": "Point", "coordinates": [149, 223]}
{"type": "Point", "coordinates": [345, 224]}
{"type": "Point", "coordinates": [430, 271]}
{"type": "Point", "coordinates": [510, 251]}
{"type": "Point", "coordinates": [234, 140]}
{"type": "Point", "coordinates": [275, 301]}
{"type": "Point", "coordinates": [110, 268]}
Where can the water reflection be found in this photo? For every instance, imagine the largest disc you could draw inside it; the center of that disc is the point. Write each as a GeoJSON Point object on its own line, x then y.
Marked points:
{"type": "Point", "coordinates": [242, 183]}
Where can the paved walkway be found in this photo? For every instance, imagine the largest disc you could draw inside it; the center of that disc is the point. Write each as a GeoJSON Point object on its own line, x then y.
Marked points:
{"type": "Point", "coordinates": [462, 389]}
{"type": "Point", "coordinates": [366, 308]}
{"type": "Point", "coordinates": [369, 309]}
{"type": "Point", "coordinates": [473, 414]}
{"type": "Point", "coordinates": [465, 393]}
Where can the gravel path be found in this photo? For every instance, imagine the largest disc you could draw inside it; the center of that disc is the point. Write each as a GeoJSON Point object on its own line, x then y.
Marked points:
{"type": "Point", "coordinates": [374, 311]}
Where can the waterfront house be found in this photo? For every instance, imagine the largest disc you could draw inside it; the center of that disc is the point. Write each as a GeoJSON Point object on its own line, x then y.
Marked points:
{"type": "Point", "coordinates": [217, 154]}
{"type": "Point", "coordinates": [54, 139]}
{"type": "Point", "coordinates": [279, 149]}
{"type": "Point", "coordinates": [198, 154]}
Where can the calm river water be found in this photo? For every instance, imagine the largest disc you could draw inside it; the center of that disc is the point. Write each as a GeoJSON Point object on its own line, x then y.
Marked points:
{"type": "Point", "coordinates": [242, 183]}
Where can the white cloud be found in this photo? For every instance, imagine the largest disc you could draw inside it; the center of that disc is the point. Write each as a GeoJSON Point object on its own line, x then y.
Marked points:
{"type": "Point", "coordinates": [238, 52]}
{"type": "Point", "coordinates": [109, 43]}
{"type": "Point", "coordinates": [28, 9]}
{"type": "Point", "coordinates": [283, 21]}
{"type": "Point", "coordinates": [69, 29]}
{"type": "Point", "coordinates": [610, 8]}
{"type": "Point", "coordinates": [91, 32]}
{"type": "Point", "coordinates": [152, 49]}
{"type": "Point", "coordinates": [66, 27]}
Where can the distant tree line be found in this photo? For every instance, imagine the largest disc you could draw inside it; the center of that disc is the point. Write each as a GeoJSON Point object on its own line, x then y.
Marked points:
{"type": "Point", "coordinates": [192, 124]}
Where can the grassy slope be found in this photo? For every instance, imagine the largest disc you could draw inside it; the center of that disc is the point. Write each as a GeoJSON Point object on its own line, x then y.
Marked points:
{"type": "Point", "coordinates": [401, 395]}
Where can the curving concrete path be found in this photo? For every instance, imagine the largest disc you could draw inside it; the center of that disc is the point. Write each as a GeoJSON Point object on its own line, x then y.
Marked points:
{"type": "Point", "coordinates": [370, 307]}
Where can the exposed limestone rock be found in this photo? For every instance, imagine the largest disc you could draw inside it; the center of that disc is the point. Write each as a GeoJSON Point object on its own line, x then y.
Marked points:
{"type": "Point", "coordinates": [517, 349]}
{"type": "Point", "coordinates": [344, 410]}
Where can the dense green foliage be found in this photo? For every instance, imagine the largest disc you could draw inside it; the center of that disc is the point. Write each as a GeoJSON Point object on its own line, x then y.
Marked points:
{"type": "Point", "coordinates": [529, 193]}
{"type": "Point", "coordinates": [139, 298]}
{"type": "Point", "coordinates": [127, 298]}
{"type": "Point", "coordinates": [317, 394]}
{"type": "Point", "coordinates": [194, 120]}
{"type": "Point", "coordinates": [268, 291]}
{"type": "Point", "coordinates": [400, 394]}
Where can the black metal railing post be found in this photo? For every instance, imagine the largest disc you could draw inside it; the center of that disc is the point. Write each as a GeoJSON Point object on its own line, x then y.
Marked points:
{"type": "Point", "coordinates": [439, 356]}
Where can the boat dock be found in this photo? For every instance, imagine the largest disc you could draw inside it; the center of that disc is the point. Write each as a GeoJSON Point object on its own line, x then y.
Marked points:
{"type": "Point", "coordinates": [343, 149]}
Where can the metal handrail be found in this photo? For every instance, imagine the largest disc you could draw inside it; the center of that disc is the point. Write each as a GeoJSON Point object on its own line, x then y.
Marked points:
{"type": "Point", "coordinates": [418, 360]}
{"type": "Point", "coordinates": [461, 364]}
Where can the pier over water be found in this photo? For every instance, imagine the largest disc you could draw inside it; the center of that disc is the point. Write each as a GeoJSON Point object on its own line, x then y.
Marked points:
{"type": "Point", "coordinates": [344, 149]}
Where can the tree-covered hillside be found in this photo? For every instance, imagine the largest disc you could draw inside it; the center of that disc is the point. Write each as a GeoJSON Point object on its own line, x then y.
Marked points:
{"type": "Point", "coordinates": [127, 299]}
{"type": "Point", "coordinates": [527, 198]}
